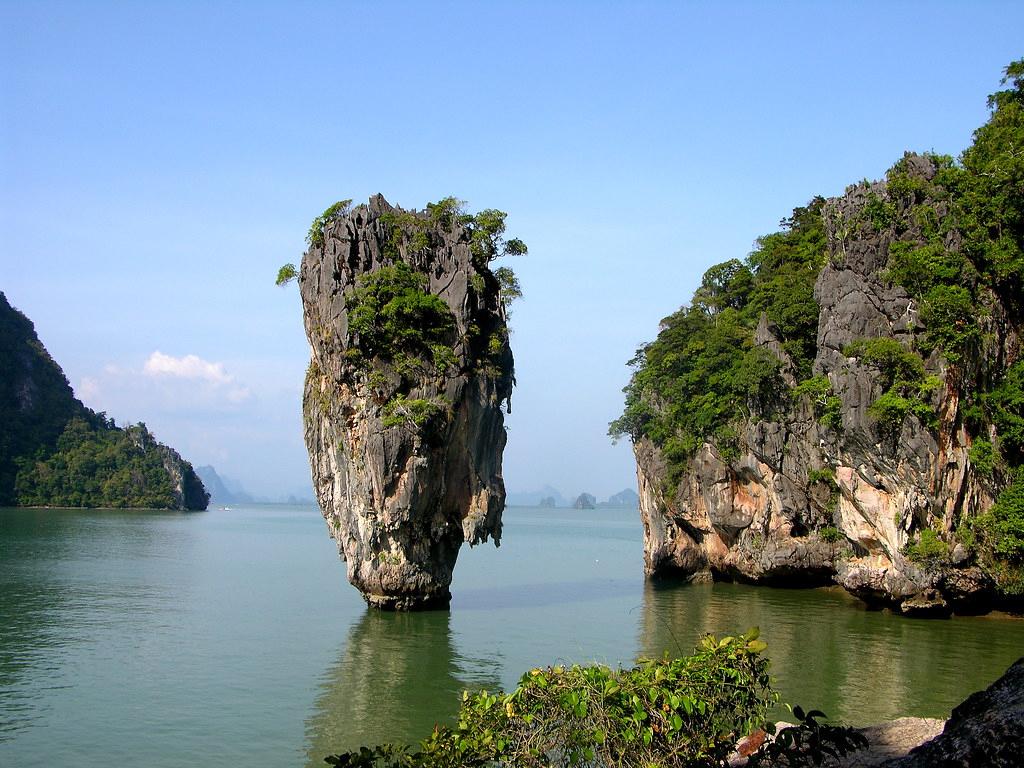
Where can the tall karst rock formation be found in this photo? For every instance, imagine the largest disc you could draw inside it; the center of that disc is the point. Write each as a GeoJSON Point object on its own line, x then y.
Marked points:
{"type": "Point", "coordinates": [847, 404]}
{"type": "Point", "coordinates": [410, 365]}
{"type": "Point", "coordinates": [821, 486]}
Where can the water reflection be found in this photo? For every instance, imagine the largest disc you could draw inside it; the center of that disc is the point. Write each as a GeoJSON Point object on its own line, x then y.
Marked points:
{"type": "Point", "coordinates": [398, 674]}
{"type": "Point", "coordinates": [828, 652]}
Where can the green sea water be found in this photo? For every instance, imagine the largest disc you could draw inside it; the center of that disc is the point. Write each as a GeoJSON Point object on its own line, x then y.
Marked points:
{"type": "Point", "coordinates": [232, 638]}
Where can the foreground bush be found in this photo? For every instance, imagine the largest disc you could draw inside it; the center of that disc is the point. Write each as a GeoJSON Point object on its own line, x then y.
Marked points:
{"type": "Point", "coordinates": [669, 712]}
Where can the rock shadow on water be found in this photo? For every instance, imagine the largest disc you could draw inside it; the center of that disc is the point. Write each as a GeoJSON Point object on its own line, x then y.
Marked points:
{"type": "Point", "coordinates": [541, 594]}
{"type": "Point", "coordinates": [397, 676]}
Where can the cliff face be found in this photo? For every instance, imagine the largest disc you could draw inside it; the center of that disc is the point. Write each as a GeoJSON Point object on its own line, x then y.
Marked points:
{"type": "Point", "coordinates": [187, 489]}
{"type": "Point", "coordinates": [36, 400]}
{"type": "Point", "coordinates": [809, 500]}
{"type": "Point", "coordinates": [405, 434]}
{"type": "Point", "coordinates": [56, 452]}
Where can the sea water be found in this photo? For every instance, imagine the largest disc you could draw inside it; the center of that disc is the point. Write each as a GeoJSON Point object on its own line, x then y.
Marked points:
{"type": "Point", "coordinates": [232, 638]}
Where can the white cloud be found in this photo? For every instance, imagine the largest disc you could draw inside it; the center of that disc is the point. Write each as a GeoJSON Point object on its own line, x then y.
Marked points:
{"type": "Point", "coordinates": [187, 367]}
{"type": "Point", "coordinates": [238, 394]}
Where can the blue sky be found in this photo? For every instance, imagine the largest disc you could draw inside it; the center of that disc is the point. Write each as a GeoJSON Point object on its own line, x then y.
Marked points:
{"type": "Point", "coordinates": [159, 161]}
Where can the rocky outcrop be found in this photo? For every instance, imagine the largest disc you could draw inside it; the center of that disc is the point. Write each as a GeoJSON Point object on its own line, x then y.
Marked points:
{"type": "Point", "coordinates": [884, 742]}
{"type": "Point", "coordinates": [585, 501]}
{"type": "Point", "coordinates": [187, 488]}
{"type": "Point", "coordinates": [405, 441]}
{"type": "Point", "coordinates": [986, 730]}
{"type": "Point", "coordinates": [807, 502]}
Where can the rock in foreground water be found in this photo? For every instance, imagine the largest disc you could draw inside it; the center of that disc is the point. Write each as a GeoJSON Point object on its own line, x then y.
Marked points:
{"type": "Point", "coordinates": [986, 730]}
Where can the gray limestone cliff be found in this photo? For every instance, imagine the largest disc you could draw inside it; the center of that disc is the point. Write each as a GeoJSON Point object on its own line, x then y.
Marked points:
{"type": "Point", "coordinates": [410, 365]}
{"type": "Point", "coordinates": [806, 501]}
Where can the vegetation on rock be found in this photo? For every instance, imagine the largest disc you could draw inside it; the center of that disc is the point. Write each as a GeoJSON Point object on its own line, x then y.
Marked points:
{"type": "Point", "coordinates": [954, 234]}
{"type": "Point", "coordinates": [315, 235]}
{"type": "Point", "coordinates": [97, 464]}
{"type": "Point", "coordinates": [392, 316]}
{"type": "Point", "coordinates": [395, 324]}
{"type": "Point", "coordinates": [999, 535]}
{"type": "Point", "coordinates": [704, 372]}
{"type": "Point", "coordinates": [929, 549]}
{"type": "Point", "coordinates": [56, 452]}
{"type": "Point", "coordinates": [906, 389]}
{"type": "Point", "coordinates": [36, 401]}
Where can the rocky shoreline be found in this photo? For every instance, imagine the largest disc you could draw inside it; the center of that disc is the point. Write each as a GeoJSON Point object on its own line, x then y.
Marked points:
{"type": "Point", "coordinates": [985, 731]}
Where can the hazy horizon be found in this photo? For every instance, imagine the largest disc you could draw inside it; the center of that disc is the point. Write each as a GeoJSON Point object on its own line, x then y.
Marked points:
{"type": "Point", "coordinates": [160, 162]}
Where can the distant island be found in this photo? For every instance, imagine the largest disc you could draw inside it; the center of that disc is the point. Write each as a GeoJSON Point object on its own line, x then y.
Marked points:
{"type": "Point", "coordinates": [549, 497]}
{"type": "Point", "coordinates": [624, 498]}
{"type": "Point", "coordinates": [222, 490]}
{"type": "Point", "coordinates": [225, 490]}
{"type": "Point", "coordinates": [54, 451]}
{"type": "Point", "coordinates": [536, 498]}
{"type": "Point", "coordinates": [584, 501]}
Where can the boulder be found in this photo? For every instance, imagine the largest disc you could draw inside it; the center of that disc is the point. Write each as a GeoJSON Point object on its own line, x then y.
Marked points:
{"type": "Point", "coordinates": [986, 730]}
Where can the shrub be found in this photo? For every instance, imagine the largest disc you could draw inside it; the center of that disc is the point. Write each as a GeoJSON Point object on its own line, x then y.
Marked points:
{"type": "Point", "coordinates": [826, 475]}
{"type": "Point", "coordinates": [950, 314]}
{"type": "Point", "coordinates": [809, 743]}
{"type": "Point", "coordinates": [928, 550]}
{"type": "Point", "coordinates": [416, 413]}
{"type": "Point", "coordinates": [830, 534]}
{"type": "Point", "coordinates": [286, 274]}
{"type": "Point", "coordinates": [896, 363]}
{"type": "Point", "coordinates": [983, 457]}
{"type": "Point", "coordinates": [827, 405]}
{"type": "Point", "coordinates": [673, 711]}
{"type": "Point", "coordinates": [880, 213]}
{"type": "Point", "coordinates": [392, 314]}
{"type": "Point", "coordinates": [906, 388]}
{"type": "Point", "coordinates": [1005, 406]}
{"type": "Point", "coordinates": [999, 538]}
{"type": "Point", "coordinates": [919, 268]}
{"type": "Point", "coordinates": [315, 235]}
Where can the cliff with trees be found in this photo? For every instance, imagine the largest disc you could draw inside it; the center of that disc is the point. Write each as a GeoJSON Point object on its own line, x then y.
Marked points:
{"type": "Point", "coordinates": [54, 451]}
{"type": "Point", "coordinates": [847, 403]}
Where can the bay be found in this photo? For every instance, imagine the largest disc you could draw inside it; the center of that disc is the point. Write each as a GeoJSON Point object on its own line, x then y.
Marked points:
{"type": "Point", "coordinates": [232, 637]}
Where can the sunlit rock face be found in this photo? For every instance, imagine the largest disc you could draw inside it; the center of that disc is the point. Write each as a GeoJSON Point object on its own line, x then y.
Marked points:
{"type": "Point", "coordinates": [405, 451]}
{"type": "Point", "coordinates": [765, 515]}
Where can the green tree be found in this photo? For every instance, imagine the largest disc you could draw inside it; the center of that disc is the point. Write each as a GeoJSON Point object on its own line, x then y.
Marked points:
{"type": "Point", "coordinates": [991, 195]}
{"type": "Point", "coordinates": [391, 314]}
{"type": "Point", "coordinates": [704, 372]}
{"type": "Point", "coordinates": [286, 274]}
